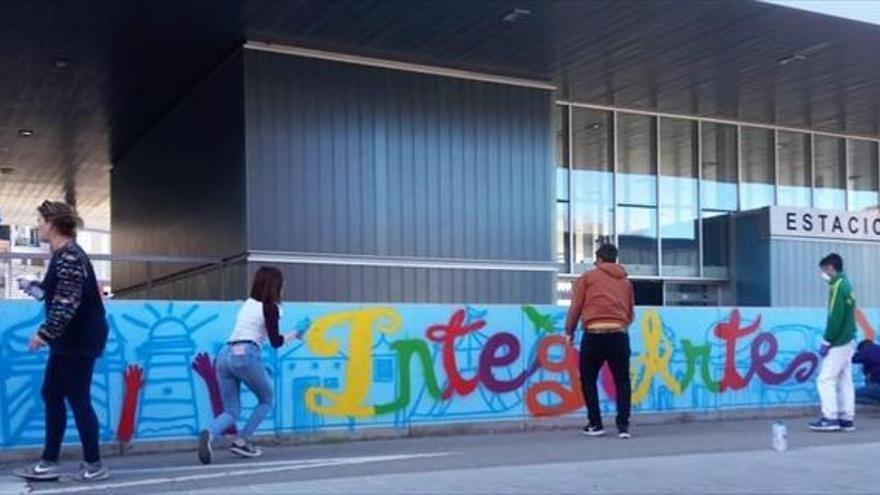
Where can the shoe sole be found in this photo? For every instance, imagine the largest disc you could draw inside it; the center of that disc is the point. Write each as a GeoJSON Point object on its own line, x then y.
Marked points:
{"type": "Point", "coordinates": [30, 476]}
{"type": "Point", "coordinates": [593, 433]}
{"type": "Point", "coordinates": [244, 453]}
{"type": "Point", "coordinates": [624, 436]}
{"type": "Point", "coordinates": [825, 428]}
{"type": "Point", "coordinates": [206, 454]}
{"type": "Point", "coordinates": [849, 429]}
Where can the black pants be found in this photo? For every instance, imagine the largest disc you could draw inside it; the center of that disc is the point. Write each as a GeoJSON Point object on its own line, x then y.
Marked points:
{"type": "Point", "coordinates": [70, 378]}
{"type": "Point", "coordinates": [596, 350]}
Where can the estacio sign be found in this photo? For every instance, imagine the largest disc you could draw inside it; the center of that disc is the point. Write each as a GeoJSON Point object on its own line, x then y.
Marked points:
{"type": "Point", "coordinates": [825, 224]}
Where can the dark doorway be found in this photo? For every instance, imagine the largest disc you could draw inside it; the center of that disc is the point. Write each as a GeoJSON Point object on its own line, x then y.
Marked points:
{"type": "Point", "coordinates": [648, 292]}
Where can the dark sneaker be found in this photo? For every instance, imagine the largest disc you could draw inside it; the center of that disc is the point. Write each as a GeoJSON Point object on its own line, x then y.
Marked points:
{"type": "Point", "coordinates": [623, 433]}
{"type": "Point", "coordinates": [39, 471]}
{"type": "Point", "coordinates": [94, 471]}
{"type": "Point", "coordinates": [245, 449]}
{"type": "Point", "coordinates": [593, 431]}
{"type": "Point", "coordinates": [825, 424]}
{"type": "Point", "coordinates": [847, 425]}
{"type": "Point", "coordinates": [206, 453]}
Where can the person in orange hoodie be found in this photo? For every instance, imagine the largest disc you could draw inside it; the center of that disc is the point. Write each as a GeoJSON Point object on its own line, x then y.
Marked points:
{"type": "Point", "coordinates": [603, 302]}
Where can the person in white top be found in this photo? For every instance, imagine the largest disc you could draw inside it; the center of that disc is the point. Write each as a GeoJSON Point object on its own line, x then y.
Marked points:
{"type": "Point", "coordinates": [239, 362]}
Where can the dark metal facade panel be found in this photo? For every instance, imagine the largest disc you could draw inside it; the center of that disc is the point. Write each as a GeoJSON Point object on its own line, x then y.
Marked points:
{"type": "Point", "coordinates": [210, 284]}
{"type": "Point", "coordinates": [359, 160]}
{"type": "Point", "coordinates": [323, 283]}
{"type": "Point", "coordinates": [181, 189]}
{"type": "Point", "coordinates": [751, 262]}
{"type": "Point", "coordinates": [795, 277]}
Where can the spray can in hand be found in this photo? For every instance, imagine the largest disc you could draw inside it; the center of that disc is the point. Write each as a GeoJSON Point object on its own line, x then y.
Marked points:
{"type": "Point", "coordinates": [780, 436]}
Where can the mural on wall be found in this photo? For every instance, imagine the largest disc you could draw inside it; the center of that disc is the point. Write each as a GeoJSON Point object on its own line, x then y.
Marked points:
{"type": "Point", "coordinates": [366, 366]}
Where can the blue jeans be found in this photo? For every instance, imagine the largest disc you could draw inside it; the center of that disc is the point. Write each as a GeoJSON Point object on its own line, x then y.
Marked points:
{"type": "Point", "coordinates": [869, 394]}
{"type": "Point", "coordinates": [237, 364]}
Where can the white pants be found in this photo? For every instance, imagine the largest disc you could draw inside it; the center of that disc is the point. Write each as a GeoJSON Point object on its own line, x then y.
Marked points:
{"type": "Point", "coordinates": [835, 383]}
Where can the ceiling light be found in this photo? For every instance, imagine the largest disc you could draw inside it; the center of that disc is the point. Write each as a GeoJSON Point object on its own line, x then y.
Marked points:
{"type": "Point", "coordinates": [516, 14]}
{"type": "Point", "coordinates": [25, 132]}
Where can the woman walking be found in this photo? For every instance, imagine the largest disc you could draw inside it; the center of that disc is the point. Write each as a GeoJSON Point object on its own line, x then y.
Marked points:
{"type": "Point", "coordinates": [239, 362]}
{"type": "Point", "coordinates": [76, 332]}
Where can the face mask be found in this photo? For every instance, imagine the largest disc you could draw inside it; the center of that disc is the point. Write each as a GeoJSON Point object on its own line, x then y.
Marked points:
{"type": "Point", "coordinates": [825, 276]}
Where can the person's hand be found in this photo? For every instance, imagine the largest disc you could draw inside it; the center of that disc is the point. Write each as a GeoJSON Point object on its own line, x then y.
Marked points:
{"type": "Point", "coordinates": [31, 288]}
{"type": "Point", "coordinates": [290, 337]}
{"type": "Point", "coordinates": [35, 343]}
{"type": "Point", "coordinates": [570, 336]}
{"type": "Point", "coordinates": [824, 348]}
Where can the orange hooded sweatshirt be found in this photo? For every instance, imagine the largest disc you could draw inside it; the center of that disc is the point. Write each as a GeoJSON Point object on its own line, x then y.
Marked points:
{"type": "Point", "coordinates": [604, 296]}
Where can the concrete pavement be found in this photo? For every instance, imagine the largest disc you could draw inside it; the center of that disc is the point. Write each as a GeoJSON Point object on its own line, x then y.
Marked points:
{"type": "Point", "coordinates": [699, 457]}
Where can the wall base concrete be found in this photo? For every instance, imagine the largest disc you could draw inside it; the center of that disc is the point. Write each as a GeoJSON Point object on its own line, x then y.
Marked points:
{"type": "Point", "coordinates": [72, 452]}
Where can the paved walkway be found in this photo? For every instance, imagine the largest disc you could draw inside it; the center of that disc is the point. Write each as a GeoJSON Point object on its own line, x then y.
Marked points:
{"type": "Point", "coordinates": [703, 457]}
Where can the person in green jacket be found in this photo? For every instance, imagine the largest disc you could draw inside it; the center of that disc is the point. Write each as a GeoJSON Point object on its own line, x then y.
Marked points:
{"type": "Point", "coordinates": [835, 382]}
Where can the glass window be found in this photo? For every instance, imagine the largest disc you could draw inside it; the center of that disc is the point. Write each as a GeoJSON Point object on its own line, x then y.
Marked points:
{"type": "Point", "coordinates": [637, 236]}
{"type": "Point", "coordinates": [562, 237]}
{"type": "Point", "coordinates": [563, 233]}
{"type": "Point", "coordinates": [719, 167]}
{"type": "Point", "coordinates": [637, 193]}
{"type": "Point", "coordinates": [592, 202]}
{"type": "Point", "coordinates": [637, 183]}
{"type": "Point", "coordinates": [862, 178]}
{"type": "Point", "coordinates": [718, 193]}
{"type": "Point", "coordinates": [793, 151]}
{"type": "Point", "coordinates": [830, 168]}
{"type": "Point", "coordinates": [757, 189]}
{"type": "Point", "coordinates": [679, 226]}
{"type": "Point", "coordinates": [560, 129]}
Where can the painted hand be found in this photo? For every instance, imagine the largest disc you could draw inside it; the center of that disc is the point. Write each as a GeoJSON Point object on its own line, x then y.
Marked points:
{"type": "Point", "coordinates": [824, 348]}
{"type": "Point", "coordinates": [203, 365]}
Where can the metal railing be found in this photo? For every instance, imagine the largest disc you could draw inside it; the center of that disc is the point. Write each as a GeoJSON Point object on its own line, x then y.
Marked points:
{"type": "Point", "coordinates": [142, 273]}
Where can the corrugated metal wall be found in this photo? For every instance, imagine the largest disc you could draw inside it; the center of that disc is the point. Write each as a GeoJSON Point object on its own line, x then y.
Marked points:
{"type": "Point", "coordinates": [795, 279]}
{"type": "Point", "coordinates": [348, 159]}
{"type": "Point", "coordinates": [383, 284]}
{"type": "Point", "coordinates": [180, 191]}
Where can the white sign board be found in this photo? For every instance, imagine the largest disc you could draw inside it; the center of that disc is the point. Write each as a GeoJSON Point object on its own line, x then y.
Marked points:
{"type": "Point", "coordinates": [825, 224]}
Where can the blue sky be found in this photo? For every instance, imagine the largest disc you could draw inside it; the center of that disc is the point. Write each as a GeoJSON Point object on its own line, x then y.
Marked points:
{"type": "Point", "coordinates": [859, 10]}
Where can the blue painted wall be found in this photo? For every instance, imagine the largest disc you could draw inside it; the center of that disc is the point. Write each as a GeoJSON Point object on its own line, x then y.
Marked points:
{"type": "Point", "coordinates": [683, 360]}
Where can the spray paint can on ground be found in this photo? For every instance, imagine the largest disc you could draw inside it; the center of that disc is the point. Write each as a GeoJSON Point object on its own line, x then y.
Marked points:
{"type": "Point", "coordinates": [780, 436]}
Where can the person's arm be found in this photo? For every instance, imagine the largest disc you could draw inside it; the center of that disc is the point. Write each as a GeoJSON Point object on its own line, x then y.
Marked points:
{"type": "Point", "coordinates": [272, 316]}
{"type": "Point", "coordinates": [576, 307]}
{"type": "Point", "coordinates": [632, 304]}
{"type": "Point", "coordinates": [837, 307]}
{"type": "Point", "coordinates": [70, 272]}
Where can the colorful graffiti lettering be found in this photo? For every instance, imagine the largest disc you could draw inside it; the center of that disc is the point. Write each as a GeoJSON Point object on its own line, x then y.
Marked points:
{"type": "Point", "coordinates": [360, 364]}
{"type": "Point", "coordinates": [365, 366]}
{"type": "Point", "coordinates": [502, 350]}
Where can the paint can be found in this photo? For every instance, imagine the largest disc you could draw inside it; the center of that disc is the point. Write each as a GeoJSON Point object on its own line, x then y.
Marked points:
{"type": "Point", "coordinates": [780, 436]}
